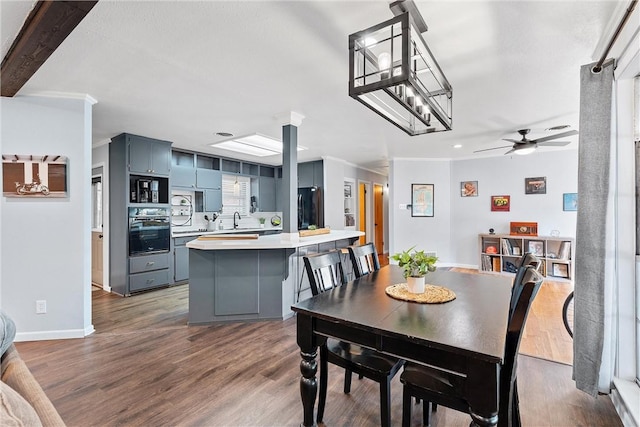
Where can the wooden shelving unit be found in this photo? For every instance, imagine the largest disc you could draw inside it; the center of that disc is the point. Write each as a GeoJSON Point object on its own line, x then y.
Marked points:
{"type": "Point", "coordinates": [499, 253]}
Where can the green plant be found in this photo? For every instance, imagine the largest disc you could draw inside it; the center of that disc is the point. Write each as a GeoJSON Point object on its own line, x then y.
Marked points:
{"type": "Point", "coordinates": [262, 220]}
{"type": "Point", "coordinates": [416, 263]}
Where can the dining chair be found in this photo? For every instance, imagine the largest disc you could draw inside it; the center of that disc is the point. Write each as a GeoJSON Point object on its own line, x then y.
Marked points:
{"type": "Point", "coordinates": [526, 260]}
{"type": "Point", "coordinates": [447, 388]}
{"type": "Point", "coordinates": [364, 259]}
{"type": "Point", "coordinates": [325, 272]}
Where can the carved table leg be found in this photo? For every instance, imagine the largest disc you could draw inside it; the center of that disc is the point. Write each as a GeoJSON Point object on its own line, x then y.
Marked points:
{"type": "Point", "coordinates": [308, 368]}
{"type": "Point", "coordinates": [483, 393]}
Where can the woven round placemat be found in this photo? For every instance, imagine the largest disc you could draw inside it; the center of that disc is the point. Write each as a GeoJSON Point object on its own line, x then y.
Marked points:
{"type": "Point", "coordinates": [432, 294]}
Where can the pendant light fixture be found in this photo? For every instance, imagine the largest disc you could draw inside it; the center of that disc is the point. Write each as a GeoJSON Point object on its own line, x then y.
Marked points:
{"type": "Point", "coordinates": [392, 72]}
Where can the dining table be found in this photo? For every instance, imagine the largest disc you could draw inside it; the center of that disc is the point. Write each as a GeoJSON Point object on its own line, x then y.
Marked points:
{"type": "Point", "coordinates": [466, 335]}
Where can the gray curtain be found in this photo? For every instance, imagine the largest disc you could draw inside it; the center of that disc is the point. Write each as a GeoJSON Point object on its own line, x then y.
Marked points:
{"type": "Point", "coordinates": [593, 191]}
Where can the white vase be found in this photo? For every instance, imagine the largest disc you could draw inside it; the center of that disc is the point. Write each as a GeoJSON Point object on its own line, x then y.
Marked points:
{"type": "Point", "coordinates": [415, 285]}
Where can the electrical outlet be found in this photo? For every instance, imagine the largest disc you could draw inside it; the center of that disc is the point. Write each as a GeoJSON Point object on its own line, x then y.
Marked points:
{"type": "Point", "coordinates": [41, 306]}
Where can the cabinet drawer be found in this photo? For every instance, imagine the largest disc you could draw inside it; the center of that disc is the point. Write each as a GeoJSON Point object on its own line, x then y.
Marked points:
{"type": "Point", "coordinates": [181, 241]}
{"type": "Point", "coordinates": [148, 263]}
{"type": "Point", "coordinates": [152, 279]}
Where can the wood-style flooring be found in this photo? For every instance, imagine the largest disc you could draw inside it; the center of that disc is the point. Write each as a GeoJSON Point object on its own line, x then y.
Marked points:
{"type": "Point", "coordinates": [145, 367]}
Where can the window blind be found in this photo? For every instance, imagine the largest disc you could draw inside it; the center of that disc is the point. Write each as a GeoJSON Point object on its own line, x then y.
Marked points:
{"type": "Point", "coordinates": [236, 194]}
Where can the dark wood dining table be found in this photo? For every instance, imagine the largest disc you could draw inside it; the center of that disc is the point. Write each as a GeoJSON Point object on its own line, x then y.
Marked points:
{"type": "Point", "coordinates": [466, 335]}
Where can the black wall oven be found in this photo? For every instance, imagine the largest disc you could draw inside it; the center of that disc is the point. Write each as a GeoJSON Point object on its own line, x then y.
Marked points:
{"type": "Point", "coordinates": [149, 230]}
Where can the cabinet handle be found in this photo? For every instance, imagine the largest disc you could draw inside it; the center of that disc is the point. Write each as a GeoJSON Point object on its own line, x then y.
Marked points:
{"type": "Point", "coordinates": [150, 263]}
{"type": "Point", "coordinates": [149, 281]}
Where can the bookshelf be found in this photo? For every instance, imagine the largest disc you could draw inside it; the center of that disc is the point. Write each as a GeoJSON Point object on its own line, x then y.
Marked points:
{"type": "Point", "coordinates": [499, 253]}
{"type": "Point", "coordinates": [349, 205]}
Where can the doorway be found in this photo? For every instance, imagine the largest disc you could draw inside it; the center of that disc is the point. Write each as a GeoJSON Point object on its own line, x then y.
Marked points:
{"type": "Point", "coordinates": [378, 218]}
{"type": "Point", "coordinates": [364, 211]}
{"type": "Point", "coordinates": [99, 228]}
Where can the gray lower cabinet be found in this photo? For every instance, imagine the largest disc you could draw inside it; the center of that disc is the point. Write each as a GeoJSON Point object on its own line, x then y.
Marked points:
{"type": "Point", "coordinates": [148, 271]}
{"type": "Point", "coordinates": [181, 261]}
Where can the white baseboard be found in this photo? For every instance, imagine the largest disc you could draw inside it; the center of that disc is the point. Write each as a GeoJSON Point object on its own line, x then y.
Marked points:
{"type": "Point", "coordinates": [625, 397]}
{"type": "Point", "coordinates": [53, 335]}
{"type": "Point", "coordinates": [456, 265]}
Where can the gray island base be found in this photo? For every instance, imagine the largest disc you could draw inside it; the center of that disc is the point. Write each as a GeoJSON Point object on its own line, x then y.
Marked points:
{"type": "Point", "coordinates": [258, 279]}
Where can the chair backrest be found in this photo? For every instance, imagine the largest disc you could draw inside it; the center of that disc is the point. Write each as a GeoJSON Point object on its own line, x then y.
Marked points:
{"type": "Point", "coordinates": [525, 261]}
{"type": "Point", "coordinates": [364, 259]}
{"type": "Point", "coordinates": [324, 271]}
{"type": "Point", "coordinates": [531, 282]}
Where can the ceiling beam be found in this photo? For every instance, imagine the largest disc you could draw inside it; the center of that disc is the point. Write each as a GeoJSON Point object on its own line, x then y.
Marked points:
{"type": "Point", "coordinates": [46, 27]}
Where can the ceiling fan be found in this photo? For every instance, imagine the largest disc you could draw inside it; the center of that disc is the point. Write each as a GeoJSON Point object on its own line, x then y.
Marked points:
{"type": "Point", "coordinates": [526, 146]}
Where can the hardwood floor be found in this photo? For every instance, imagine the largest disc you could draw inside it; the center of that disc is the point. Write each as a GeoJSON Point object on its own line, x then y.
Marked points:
{"type": "Point", "coordinates": [145, 367]}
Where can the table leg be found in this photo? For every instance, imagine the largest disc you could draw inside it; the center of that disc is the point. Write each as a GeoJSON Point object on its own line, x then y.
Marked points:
{"type": "Point", "coordinates": [308, 368]}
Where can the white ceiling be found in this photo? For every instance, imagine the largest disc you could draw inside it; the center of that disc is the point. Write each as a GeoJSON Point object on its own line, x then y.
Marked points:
{"type": "Point", "coordinates": [182, 71]}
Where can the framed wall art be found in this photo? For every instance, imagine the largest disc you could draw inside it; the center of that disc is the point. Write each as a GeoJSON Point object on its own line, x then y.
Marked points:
{"type": "Point", "coordinates": [500, 203]}
{"type": "Point", "coordinates": [536, 247]}
{"type": "Point", "coordinates": [421, 199]}
{"type": "Point", "coordinates": [570, 202]}
{"type": "Point", "coordinates": [31, 175]}
{"type": "Point", "coordinates": [536, 185]}
{"type": "Point", "coordinates": [469, 188]}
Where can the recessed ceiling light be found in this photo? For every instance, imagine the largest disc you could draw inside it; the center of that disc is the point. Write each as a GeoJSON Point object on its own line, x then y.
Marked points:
{"type": "Point", "coordinates": [457, 146]}
{"type": "Point", "coordinates": [225, 134]}
{"type": "Point", "coordinates": [254, 145]}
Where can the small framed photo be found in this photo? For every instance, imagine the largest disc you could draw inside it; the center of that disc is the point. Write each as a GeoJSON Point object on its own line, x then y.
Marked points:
{"type": "Point", "coordinates": [30, 175]}
{"type": "Point", "coordinates": [570, 202]}
{"type": "Point", "coordinates": [421, 199]}
{"type": "Point", "coordinates": [500, 203]}
{"type": "Point", "coordinates": [469, 189]}
{"type": "Point", "coordinates": [560, 270]}
{"type": "Point", "coordinates": [536, 247]}
{"type": "Point", "coordinates": [536, 185]}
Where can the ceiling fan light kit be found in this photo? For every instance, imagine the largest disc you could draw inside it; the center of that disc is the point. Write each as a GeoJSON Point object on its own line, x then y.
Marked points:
{"type": "Point", "coordinates": [392, 72]}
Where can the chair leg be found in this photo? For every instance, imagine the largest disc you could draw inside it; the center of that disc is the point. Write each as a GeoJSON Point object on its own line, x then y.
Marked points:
{"type": "Point", "coordinates": [426, 412]}
{"type": "Point", "coordinates": [347, 381]}
{"type": "Point", "coordinates": [324, 367]}
{"type": "Point", "coordinates": [385, 402]}
{"type": "Point", "coordinates": [406, 407]}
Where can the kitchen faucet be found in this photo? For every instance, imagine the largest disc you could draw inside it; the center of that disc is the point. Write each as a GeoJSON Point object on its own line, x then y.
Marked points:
{"type": "Point", "coordinates": [235, 224]}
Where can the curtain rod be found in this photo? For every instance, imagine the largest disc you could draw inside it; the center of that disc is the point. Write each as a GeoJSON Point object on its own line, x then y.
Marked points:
{"type": "Point", "coordinates": [624, 20]}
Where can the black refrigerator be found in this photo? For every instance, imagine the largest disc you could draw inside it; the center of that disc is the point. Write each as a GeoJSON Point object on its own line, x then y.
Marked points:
{"type": "Point", "coordinates": [310, 210]}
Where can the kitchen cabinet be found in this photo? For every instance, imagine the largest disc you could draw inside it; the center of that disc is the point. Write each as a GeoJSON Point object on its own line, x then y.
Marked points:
{"type": "Point", "coordinates": [181, 259]}
{"type": "Point", "coordinates": [212, 200]}
{"type": "Point", "coordinates": [310, 174]}
{"type": "Point", "coordinates": [267, 194]}
{"type": "Point", "coordinates": [149, 156]}
{"type": "Point", "coordinates": [208, 178]}
{"type": "Point", "coordinates": [183, 177]}
{"type": "Point", "coordinates": [150, 271]}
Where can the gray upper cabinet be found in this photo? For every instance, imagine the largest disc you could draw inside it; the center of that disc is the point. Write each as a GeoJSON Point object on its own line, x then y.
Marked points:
{"type": "Point", "coordinates": [183, 177]}
{"type": "Point", "coordinates": [212, 200]}
{"type": "Point", "coordinates": [310, 174]}
{"type": "Point", "coordinates": [267, 194]}
{"type": "Point", "coordinates": [149, 156]}
{"type": "Point", "coordinates": [207, 178]}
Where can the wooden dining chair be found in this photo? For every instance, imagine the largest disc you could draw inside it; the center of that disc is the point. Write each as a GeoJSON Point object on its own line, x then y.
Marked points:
{"type": "Point", "coordinates": [364, 259]}
{"type": "Point", "coordinates": [526, 260]}
{"type": "Point", "coordinates": [325, 272]}
{"type": "Point", "coordinates": [447, 388]}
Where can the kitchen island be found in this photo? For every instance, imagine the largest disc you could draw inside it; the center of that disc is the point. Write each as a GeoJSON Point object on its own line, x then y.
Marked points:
{"type": "Point", "coordinates": [253, 279]}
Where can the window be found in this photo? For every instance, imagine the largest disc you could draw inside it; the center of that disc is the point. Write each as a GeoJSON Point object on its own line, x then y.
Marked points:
{"type": "Point", "coordinates": [236, 194]}
{"type": "Point", "coordinates": [96, 203]}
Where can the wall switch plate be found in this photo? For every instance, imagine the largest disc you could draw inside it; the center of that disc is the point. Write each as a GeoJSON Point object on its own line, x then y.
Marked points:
{"type": "Point", "coordinates": [41, 306]}
{"type": "Point", "coordinates": [402, 206]}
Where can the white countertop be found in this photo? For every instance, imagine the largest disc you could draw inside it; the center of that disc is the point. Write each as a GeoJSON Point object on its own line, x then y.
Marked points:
{"type": "Point", "coordinates": [195, 233]}
{"type": "Point", "coordinates": [273, 241]}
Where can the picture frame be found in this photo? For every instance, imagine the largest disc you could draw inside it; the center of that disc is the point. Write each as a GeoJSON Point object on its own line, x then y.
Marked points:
{"type": "Point", "coordinates": [536, 185]}
{"type": "Point", "coordinates": [469, 189]}
{"type": "Point", "coordinates": [500, 203]}
{"type": "Point", "coordinates": [34, 176]}
{"type": "Point", "coordinates": [560, 270]}
{"type": "Point", "coordinates": [570, 202]}
{"type": "Point", "coordinates": [422, 200]}
{"type": "Point", "coordinates": [536, 247]}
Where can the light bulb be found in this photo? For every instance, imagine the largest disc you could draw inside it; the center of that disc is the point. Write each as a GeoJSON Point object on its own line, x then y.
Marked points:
{"type": "Point", "coordinates": [524, 151]}
{"type": "Point", "coordinates": [384, 62]}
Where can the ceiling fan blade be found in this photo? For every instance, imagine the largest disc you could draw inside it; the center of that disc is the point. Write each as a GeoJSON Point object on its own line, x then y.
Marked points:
{"type": "Point", "coordinates": [556, 136]}
{"type": "Point", "coordinates": [554, 143]}
{"type": "Point", "coordinates": [494, 148]}
{"type": "Point", "coordinates": [510, 151]}
{"type": "Point", "coordinates": [515, 141]}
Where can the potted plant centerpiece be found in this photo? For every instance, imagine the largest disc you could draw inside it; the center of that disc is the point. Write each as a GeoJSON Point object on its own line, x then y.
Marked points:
{"type": "Point", "coordinates": [416, 265]}
{"type": "Point", "coordinates": [262, 220]}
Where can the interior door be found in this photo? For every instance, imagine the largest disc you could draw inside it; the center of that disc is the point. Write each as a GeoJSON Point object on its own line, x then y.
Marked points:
{"type": "Point", "coordinates": [362, 205]}
{"type": "Point", "coordinates": [378, 221]}
{"type": "Point", "coordinates": [96, 257]}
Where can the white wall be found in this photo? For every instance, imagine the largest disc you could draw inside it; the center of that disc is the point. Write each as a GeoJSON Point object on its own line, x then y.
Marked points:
{"type": "Point", "coordinates": [46, 243]}
{"type": "Point", "coordinates": [505, 175]}
{"type": "Point", "coordinates": [428, 233]}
